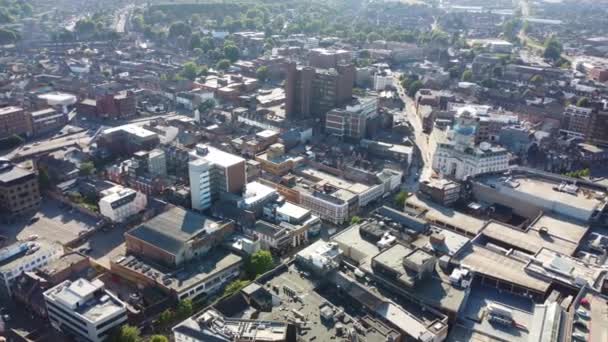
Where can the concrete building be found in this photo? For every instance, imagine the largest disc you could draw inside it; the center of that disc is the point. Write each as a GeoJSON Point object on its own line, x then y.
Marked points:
{"type": "Point", "coordinates": [14, 120]}
{"type": "Point", "coordinates": [118, 204]}
{"type": "Point", "coordinates": [85, 309]}
{"type": "Point", "coordinates": [127, 139]}
{"type": "Point", "coordinates": [276, 162]}
{"type": "Point", "coordinates": [25, 257]}
{"type": "Point", "coordinates": [19, 191]}
{"type": "Point", "coordinates": [157, 163]}
{"type": "Point", "coordinates": [48, 120]}
{"type": "Point", "coordinates": [351, 121]}
{"type": "Point", "coordinates": [576, 121]}
{"type": "Point", "coordinates": [383, 80]}
{"type": "Point", "coordinates": [212, 172]}
{"type": "Point", "coordinates": [442, 191]}
{"type": "Point", "coordinates": [328, 58]}
{"type": "Point", "coordinates": [178, 252]}
{"type": "Point", "coordinates": [311, 92]}
{"type": "Point", "coordinates": [459, 157]}
{"type": "Point", "coordinates": [529, 194]}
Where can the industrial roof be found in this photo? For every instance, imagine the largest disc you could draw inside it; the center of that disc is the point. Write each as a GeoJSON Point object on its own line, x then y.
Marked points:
{"type": "Point", "coordinates": [171, 229]}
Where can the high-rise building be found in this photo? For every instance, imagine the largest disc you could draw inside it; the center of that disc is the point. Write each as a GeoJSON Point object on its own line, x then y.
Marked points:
{"type": "Point", "coordinates": [84, 309]}
{"type": "Point", "coordinates": [311, 92]}
{"type": "Point", "coordinates": [212, 172]}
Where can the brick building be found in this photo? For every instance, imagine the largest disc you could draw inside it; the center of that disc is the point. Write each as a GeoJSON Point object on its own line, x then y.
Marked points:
{"type": "Point", "coordinates": [14, 120]}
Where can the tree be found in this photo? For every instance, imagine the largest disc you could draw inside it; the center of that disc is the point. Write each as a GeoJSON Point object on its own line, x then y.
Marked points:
{"type": "Point", "coordinates": [260, 263]}
{"type": "Point", "coordinates": [235, 287]}
{"type": "Point", "coordinates": [231, 52]}
{"type": "Point", "coordinates": [184, 309]}
{"type": "Point", "coordinates": [190, 71]}
{"type": "Point", "coordinates": [159, 338]}
{"type": "Point", "coordinates": [195, 20]}
{"type": "Point", "coordinates": [126, 333]}
{"type": "Point", "coordinates": [207, 44]}
{"type": "Point", "coordinates": [165, 318]}
{"type": "Point", "coordinates": [414, 87]}
{"type": "Point", "coordinates": [223, 64]}
{"type": "Point", "coordinates": [43, 179]}
{"type": "Point", "coordinates": [195, 41]}
{"type": "Point", "coordinates": [8, 36]}
{"type": "Point", "coordinates": [400, 198]}
{"type": "Point", "coordinates": [87, 169]}
{"type": "Point", "coordinates": [355, 220]}
{"type": "Point", "coordinates": [180, 29]}
{"type": "Point", "coordinates": [467, 76]}
{"type": "Point", "coordinates": [553, 49]}
{"type": "Point", "coordinates": [262, 73]}
{"type": "Point", "coordinates": [206, 106]}
{"type": "Point", "coordinates": [583, 102]}
{"type": "Point", "coordinates": [373, 36]}
{"type": "Point", "coordinates": [85, 27]}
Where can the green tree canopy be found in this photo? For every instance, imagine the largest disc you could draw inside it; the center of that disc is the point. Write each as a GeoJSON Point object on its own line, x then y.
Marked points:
{"type": "Point", "coordinates": [235, 287]}
{"type": "Point", "coordinates": [553, 49]}
{"type": "Point", "coordinates": [184, 309]}
{"type": "Point", "coordinates": [179, 29]}
{"type": "Point", "coordinates": [355, 220]}
{"type": "Point", "coordinates": [223, 64]}
{"type": "Point", "coordinates": [259, 263]}
{"type": "Point", "coordinates": [231, 52]}
{"type": "Point", "coordinates": [87, 168]}
{"type": "Point", "coordinates": [190, 70]}
{"type": "Point", "coordinates": [126, 333]}
{"type": "Point", "coordinates": [8, 36]}
{"type": "Point", "coordinates": [583, 102]}
{"type": "Point", "coordinates": [262, 73]}
{"type": "Point", "coordinates": [400, 199]}
{"type": "Point", "coordinates": [467, 76]}
{"type": "Point", "coordinates": [159, 338]}
{"type": "Point", "coordinates": [414, 87]}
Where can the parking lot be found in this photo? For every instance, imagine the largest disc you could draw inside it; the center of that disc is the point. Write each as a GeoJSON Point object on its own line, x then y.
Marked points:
{"type": "Point", "coordinates": [104, 245]}
{"type": "Point", "coordinates": [51, 222]}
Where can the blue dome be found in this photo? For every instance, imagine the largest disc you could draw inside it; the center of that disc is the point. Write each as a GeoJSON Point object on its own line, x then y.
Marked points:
{"type": "Point", "coordinates": [464, 130]}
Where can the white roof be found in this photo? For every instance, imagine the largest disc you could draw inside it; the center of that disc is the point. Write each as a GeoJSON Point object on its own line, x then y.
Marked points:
{"type": "Point", "coordinates": [292, 210]}
{"type": "Point", "coordinates": [218, 157]}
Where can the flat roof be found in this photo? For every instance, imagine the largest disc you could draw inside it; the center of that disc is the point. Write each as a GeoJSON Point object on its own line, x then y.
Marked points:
{"type": "Point", "coordinates": [535, 189]}
{"type": "Point", "coordinates": [189, 275]}
{"type": "Point", "coordinates": [436, 213]}
{"type": "Point", "coordinates": [355, 247]}
{"type": "Point", "coordinates": [171, 229]}
{"type": "Point", "coordinates": [83, 297]}
{"type": "Point", "coordinates": [452, 242]}
{"type": "Point", "coordinates": [530, 241]}
{"type": "Point", "coordinates": [393, 256]}
{"type": "Point", "coordinates": [131, 129]}
{"type": "Point", "coordinates": [10, 110]}
{"type": "Point", "coordinates": [498, 266]}
{"type": "Point", "coordinates": [20, 256]}
{"type": "Point", "coordinates": [561, 227]}
{"type": "Point", "coordinates": [563, 268]}
{"type": "Point", "coordinates": [292, 210]}
{"type": "Point", "coordinates": [309, 307]}
{"type": "Point", "coordinates": [13, 173]}
{"type": "Point", "coordinates": [217, 156]}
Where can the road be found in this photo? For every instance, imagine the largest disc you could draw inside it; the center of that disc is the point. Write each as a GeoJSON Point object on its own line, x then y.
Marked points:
{"type": "Point", "coordinates": [420, 139]}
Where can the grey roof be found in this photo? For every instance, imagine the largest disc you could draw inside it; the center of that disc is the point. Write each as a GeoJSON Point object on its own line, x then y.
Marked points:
{"type": "Point", "coordinates": [171, 229]}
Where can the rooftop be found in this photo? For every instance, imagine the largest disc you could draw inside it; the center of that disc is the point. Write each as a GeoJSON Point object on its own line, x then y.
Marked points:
{"type": "Point", "coordinates": [10, 110]}
{"type": "Point", "coordinates": [575, 202]}
{"type": "Point", "coordinates": [88, 300]}
{"type": "Point", "coordinates": [189, 276]}
{"type": "Point", "coordinates": [530, 241]}
{"type": "Point", "coordinates": [499, 266]}
{"type": "Point", "coordinates": [446, 217]}
{"type": "Point", "coordinates": [292, 210]}
{"type": "Point", "coordinates": [14, 256]}
{"type": "Point", "coordinates": [10, 172]}
{"type": "Point", "coordinates": [173, 228]}
{"type": "Point", "coordinates": [216, 156]}
{"type": "Point", "coordinates": [132, 129]}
